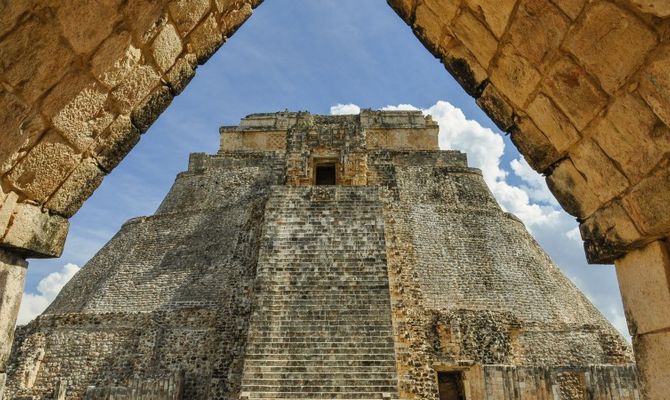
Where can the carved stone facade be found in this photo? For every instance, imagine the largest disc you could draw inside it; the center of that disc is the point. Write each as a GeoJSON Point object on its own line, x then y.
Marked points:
{"type": "Point", "coordinates": [255, 281]}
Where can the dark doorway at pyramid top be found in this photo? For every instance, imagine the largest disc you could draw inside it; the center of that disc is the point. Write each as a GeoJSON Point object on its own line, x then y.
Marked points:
{"type": "Point", "coordinates": [250, 282]}
{"type": "Point", "coordinates": [325, 174]}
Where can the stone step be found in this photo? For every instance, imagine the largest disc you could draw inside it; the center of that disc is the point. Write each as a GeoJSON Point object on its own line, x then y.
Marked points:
{"type": "Point", "coordinates": [320, 396]}
{"type": "Point", "coordinates": [311, 365]}
{"type": "Point", "coordinates": [357, 387]}
{"type": "Point", "coordinates": [308, 370]}
{"type": "Point", "coordinates": [321, 327]}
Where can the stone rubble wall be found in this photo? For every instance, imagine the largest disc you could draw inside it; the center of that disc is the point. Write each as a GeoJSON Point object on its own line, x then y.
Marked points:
{"type": "Point", "coordinates": [140, 389]}
{"type": "Point", "coordinates": [602, 382]}
{"type": "Point", "coordinates": [448, 243]}
{"type": "Point", "coordinates": [169, 293]}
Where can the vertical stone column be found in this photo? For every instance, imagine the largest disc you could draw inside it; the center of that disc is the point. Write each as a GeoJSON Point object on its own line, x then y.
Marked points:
{"type": "Point", "coordinates": [644, 280]}
{"type": "Point", "coordinates": [12, 278]}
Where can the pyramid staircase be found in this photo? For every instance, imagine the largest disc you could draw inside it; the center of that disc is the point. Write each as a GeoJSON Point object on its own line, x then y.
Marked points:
{"type": "Point", "coordinates": [322, 323]}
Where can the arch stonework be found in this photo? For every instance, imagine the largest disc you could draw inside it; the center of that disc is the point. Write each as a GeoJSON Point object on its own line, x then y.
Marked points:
{"type": "Point", "coordinates": [582, 87]}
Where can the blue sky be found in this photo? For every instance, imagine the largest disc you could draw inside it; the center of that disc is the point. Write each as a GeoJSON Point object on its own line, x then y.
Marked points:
{"type": "Point", "coordinates": [313, 55]}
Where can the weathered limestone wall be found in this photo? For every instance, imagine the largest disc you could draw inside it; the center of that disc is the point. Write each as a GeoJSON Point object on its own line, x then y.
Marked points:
{"type": "Point", "coordinates": [12, 277]}
{"type": "Point", "coordinates": [165, 389]}
{"type": "Point", "coordinates": [80, 81]}
{"type": "Point", "coordinates": [168, 294]}
{"type": "Point", "coordinates": [493, 382]}
{"type": "Point", "coordinates": [644, 280]}
{"type": "Point", "coordinates": [448, 243]}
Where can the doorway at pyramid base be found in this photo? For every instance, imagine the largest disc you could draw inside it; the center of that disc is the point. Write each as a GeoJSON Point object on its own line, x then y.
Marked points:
{"type": "Point", "coordinates": [323, 257]}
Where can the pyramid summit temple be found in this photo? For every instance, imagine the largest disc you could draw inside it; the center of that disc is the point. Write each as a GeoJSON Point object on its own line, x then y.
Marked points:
{"type": "Point", "coordinates": [323, 257]}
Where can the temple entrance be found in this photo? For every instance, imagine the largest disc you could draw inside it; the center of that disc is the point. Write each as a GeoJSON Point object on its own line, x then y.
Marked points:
{"type": "Point", "coordinates": [325, 174]}
{"type": "Point", "coordinates": [450, 385]}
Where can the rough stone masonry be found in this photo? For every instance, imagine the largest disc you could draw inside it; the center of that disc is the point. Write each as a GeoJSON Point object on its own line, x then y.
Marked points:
{"type": "Point", "coordinates": [323, 257]}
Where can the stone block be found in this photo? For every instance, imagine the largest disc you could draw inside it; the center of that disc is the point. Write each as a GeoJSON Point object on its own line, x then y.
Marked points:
{"type": "Point", "coordinates": [647, 202]}
{"type": "Point", "coordinates": [496, 107]}
{"type": "Point", "coordinates": [137, 85]}
{"type": "Point", "coordinates": [147, 112]}
{"type": "Point", "coordinates": [205, 39]}
{"type": "Point", "coordinates": [643, 276]}
{"type": "Point", "coordinates": [188, 13]}
{"type": "Point", "coordinates": [115, 59]}
{"type": "Point", "coordinates": [33, 57]}
{"type": "Point", "coordinates": [181, 73]}
{"type": "Point", "coordinates": [627, 135]}
{"type": "Point", "coordinates": [655, 84]}
{"type": "Point", "coordinates": [85, 24]}
{"type": "Point", "coordinates": [144, 19]}
{"type": "Point", "coordinates": [476, 37]}
{"type": "Point", "coordinates": [431, 19]}
{"type": "Point", "coordinates": [651, 353]}
{"type": "Point", "coordinates": [601, 173]}
{"type": "Point", "coordinates": [608, 233]}
{"type": "Point", "coordinates": [35, 233]}
{"type": "Point", "coordinates": [21, 128]}
{"type": "Point", "coordinates": [463, 66]}
{"type": "Point", "coordinates": [45, 167]}
{"type": "Point", "coordinates": [610, 43]}
{"type": "Point", "coordinates": [166, 47]}
{"type": "Point", "coordinates": [572, 8]}
{"type": "Point", "coordinates": [113, 144]}
{"type": "Point", "coordinates": [534, 145]}
{"type": "Point", "coordinates": [572, 191]}
{"type": "Point", "coordinates": [7, 203]}
{"type": "Point", "coordinates": [78, 187]}
{"type": "Point", "coordinates": [541, 21]}
{"type": "Point", "coordinates": [83, 116]}
{"type": "Point", "coordinates": [514, 75]}
{"type": "Point", "coordinates": [233, 19]}
{"type": "Point", "coordinates": [660, 8]}
{"type": "Point", "coordinates": [12, 11]}
{"type": "Point", "coordinates": [404, 8]}
{"type": "Point", "coordinates": [495, 14]}
{"type": "Point", "coordinates": [572, 90]}
{"type": "Point", "coordinates": [12, 278]}
{"type": "Point", "coordinates": [556, 126]}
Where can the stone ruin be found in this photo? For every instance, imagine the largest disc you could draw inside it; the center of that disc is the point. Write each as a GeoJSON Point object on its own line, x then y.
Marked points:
{"type": "Point", "coordinates": [323, 257]}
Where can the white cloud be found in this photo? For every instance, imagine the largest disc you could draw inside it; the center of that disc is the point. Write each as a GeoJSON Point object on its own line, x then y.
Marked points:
{"type": "Point", "coordinates": [400, 107]}
{"type": "Point", "coordinates": [344, 109]}
{"type": "Point", "coordinates": [33, 305]}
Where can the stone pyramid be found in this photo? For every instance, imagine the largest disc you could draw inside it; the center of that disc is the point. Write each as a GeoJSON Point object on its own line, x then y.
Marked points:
{"type": "Point", "coordinates": [323, 257]}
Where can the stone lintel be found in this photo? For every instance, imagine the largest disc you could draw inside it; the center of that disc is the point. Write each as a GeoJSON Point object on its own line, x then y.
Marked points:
{"type": "Point", "coordinates": [34, 233]}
